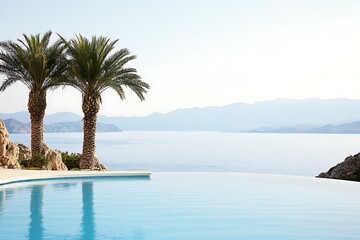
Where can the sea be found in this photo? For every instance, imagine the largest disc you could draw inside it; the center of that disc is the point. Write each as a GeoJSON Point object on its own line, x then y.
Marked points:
{"type": "Point", "coordinates": [264, 153]}
{"type": "Point", "coordinates": [203, 186]}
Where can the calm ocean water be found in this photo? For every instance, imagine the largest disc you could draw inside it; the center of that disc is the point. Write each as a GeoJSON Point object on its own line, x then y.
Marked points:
{"type": "Point", "coordinates": [291, 154]}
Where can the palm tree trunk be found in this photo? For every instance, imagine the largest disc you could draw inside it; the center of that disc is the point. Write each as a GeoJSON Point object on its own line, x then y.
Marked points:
{"type": "Point", "coordinates": [36, 107]}
{"type": "Point", "coordinates": [90, 106]}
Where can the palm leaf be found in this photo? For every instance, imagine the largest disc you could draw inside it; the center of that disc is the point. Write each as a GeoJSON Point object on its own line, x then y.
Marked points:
{"type": "Point", "coordinates": [93, 69]}
{"type": "Point", "coordinates": [33, 61]}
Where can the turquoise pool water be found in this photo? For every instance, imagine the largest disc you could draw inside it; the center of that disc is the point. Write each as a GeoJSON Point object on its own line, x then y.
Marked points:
{"type": "Point", "coordinates": [182, 206]}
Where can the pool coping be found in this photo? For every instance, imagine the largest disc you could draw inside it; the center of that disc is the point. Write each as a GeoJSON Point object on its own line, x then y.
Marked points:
{"type": "Point", "coordinates": [8, 176]}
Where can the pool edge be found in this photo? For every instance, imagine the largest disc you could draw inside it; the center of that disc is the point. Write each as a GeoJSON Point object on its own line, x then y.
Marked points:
{"type": "Point", "coordinates": [9, 176]}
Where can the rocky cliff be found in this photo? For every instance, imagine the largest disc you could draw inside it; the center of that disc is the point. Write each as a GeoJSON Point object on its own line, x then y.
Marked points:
{"type": "Point", "coordinates": [12, 153]}
{"type": "Point", "coordinates": [349, 169]}
{"type": "Point", "coordinates": [9, 152]}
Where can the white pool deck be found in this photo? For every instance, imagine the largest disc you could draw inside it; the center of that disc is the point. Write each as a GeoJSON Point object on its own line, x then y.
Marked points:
{"type": "Point", "coordinates": [14, 175]}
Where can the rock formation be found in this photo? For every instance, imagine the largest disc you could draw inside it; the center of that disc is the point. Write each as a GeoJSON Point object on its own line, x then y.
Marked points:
{"type": "Point", "coordinates": [4, 139]}
{"type": "Point", "coordinates": [99, 166]}
{"type": "Point", "coordinates": [9, 152]}
{"type": "Point", "coordinates": [24, 151]}
{"type": "Point", "coordinates": [12, 154]}
{"type": "Point", "coordinates": [10, 160]}
{"type": "Point", "coordinates": [55, 159]}
{"type": "Point", "coordinates": [349, 169]}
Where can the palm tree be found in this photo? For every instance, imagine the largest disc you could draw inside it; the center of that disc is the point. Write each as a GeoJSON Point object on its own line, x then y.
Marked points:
{"type": "Point", "coordinates": [38, 65]}
{"type": "Point", "coordinates": [92, 70]}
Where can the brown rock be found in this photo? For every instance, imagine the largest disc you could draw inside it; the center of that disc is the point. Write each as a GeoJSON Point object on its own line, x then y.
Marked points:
{"type": "Point", "coordinates": [9, 152]}
{"type": "Point", "coordinates": [99, 166]}
{"type": "Point", "coordinates": [10, 160]}
{"type": "Point", "coordinates": [4, 139]}
{"type": "Point", "coordinates": [24, 152]}
{"type": "Point", "coordinates": [55, 159]}
{"type": "Point", "coordinates": [349, 169]}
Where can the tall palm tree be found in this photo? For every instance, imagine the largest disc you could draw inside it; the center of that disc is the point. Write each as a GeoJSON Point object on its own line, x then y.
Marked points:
{"type": "Point", "coordinates": [38, 65]}
{"type": "Point", "coordinates": [92, 70]}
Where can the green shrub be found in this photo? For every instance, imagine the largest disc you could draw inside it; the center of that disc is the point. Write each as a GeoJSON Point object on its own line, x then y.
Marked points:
{"type": "Point", "coordinates": [35, 161]}
{"type": "Point", "coordinates": [39, 160]}
{"type": "Point", "coordinates": [24, 163]}
{"type": "Point", "coordinates": [71, 160]}
{"type": "Point", "coordinates": [75, 169]}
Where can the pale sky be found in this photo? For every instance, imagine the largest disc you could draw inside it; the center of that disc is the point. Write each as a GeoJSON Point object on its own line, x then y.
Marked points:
{"type": "Point", "coordinates": [203, 52]}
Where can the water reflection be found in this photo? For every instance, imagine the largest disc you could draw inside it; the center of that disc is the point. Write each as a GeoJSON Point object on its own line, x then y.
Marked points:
{"type": "Point", "coordinates": [2, 200]}
{"type": "Point", "coordinates": [87, 221]}
{"type": "Point", "coordinates": [36, 229]}
{"type": "Point", "coordinates": [5, 195]}
{"type": "Point", "coordinates": [63, 186]}
{"type": "Point", "coordinates": [37, 219]}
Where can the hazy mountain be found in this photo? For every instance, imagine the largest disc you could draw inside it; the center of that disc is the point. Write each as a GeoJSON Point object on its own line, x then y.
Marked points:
{"type": "Point", "coordinates": [241, 117]}
{"type": "Point", "coordinates": [15, 126]}
{"type": "Point", "coordinates": [353, 127]}
{"type": "Point", "coordinates": [276, 114]}
{"type": "Point", "coordinates": [23, 117]}
{"type": "Point", "coordinates": [49, 119]}
{"type": "Point", "coordinates": [61, 117]}
{"type": "Point", "coordinates": [77, 126]}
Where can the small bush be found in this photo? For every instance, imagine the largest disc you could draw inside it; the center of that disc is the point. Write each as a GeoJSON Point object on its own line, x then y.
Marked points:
{"type": "Point", "coordinates": [72, 160]}
{"type": "Point", "coordinates": [75, 169]}
{"type": "Point", "coordinates": [39, 160]}
{"type": "Point", "coordinates": [35, 161]}
{"type": "Point", "coordinates": [24, 163]}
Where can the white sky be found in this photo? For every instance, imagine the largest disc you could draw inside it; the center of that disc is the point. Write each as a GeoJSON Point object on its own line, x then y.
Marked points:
{"type": "Point", "coordinates": [203, 53]}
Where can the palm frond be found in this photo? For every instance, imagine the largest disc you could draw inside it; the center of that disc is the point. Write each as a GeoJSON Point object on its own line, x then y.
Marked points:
{"type": "Point", "coordinates": [8, 82]}
{"type": "Point", "coordinates": [33, 62]}
{"type": "Point", "coordinates": [93, 69]}
{"type": "Point", "coordinates": [134, 82]}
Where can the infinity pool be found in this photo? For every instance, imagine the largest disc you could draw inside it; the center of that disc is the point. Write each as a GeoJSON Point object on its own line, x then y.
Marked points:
{"type": "Point", "coordinates": [182, 206]}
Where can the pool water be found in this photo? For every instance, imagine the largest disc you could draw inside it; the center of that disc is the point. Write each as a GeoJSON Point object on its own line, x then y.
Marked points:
{"type": "Point", "coordinates": [182, 206]}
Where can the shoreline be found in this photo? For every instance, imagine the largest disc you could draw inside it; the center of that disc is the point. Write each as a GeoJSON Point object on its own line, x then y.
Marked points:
{"type": "Point", "coordinates": [8, 176]}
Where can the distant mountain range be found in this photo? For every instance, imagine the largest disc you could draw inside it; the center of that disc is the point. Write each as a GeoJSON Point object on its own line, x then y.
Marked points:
{"type": "Point", "coordinates": [49, 119]}
{"type": "Point", "coordinates": [15, 126]}
{"type": "Point", "coordinates": [348, 128]}
{"type": "Point", "coordinates": [280, 115]}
